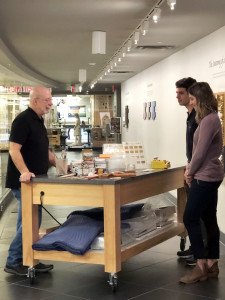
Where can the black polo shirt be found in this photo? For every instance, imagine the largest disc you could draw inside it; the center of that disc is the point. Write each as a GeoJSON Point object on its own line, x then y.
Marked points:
{"type": "Point", "coordinates": [191, 127]}
{"type": "Point", "coordinates": [29, 131]}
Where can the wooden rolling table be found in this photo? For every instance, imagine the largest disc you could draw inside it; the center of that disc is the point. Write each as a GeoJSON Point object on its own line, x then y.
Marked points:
{"type": "Point", "coordinates": [109, 194]}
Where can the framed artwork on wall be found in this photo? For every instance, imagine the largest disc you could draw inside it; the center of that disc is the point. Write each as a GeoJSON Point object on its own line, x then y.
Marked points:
{"type": "Point", "coordinates": [144, 110]}
{"type": "Point", "coordinates": [149, 110]}
{"type": "Point", "coordinates": [153, 112]}
{"type": "Point", "coordinates": [115, 124]}
{"type": "Point", "coordinates": [126, 116]}
{"type": "Point", "coordinates": [80, 110]}
{"type": "Point", "coordinates": [221, 111]}
{"type": "Point", "coordinates": [104, 118]}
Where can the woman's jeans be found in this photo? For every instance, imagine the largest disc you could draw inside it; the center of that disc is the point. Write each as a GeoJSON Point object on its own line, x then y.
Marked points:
{"type": "Point", "coordinates": [202, 204]}
{"type": "Point", "coordinates": [15, 257]}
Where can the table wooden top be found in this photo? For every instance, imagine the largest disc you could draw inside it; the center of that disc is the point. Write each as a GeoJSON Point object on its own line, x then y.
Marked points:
{"type": "Point", "coordinates": [140, 174]}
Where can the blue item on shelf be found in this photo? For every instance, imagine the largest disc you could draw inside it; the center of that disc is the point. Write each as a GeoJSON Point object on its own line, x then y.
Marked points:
{"type": "Point", "coordinates": [77, 233]}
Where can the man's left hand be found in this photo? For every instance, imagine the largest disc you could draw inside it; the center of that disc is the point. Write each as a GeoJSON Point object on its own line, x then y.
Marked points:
{"type": "Point", "coordinates": [26, 176]}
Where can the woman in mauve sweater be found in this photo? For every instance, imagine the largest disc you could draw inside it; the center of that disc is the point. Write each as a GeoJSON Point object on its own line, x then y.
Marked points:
{"type": "Point", "coordinates": [204, 176]}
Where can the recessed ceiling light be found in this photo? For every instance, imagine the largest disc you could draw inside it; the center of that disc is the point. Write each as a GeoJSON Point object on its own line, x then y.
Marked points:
{"type": "Point", "coordinates": [92, 64]}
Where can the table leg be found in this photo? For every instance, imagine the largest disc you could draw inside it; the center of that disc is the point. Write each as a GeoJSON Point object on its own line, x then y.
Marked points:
{"type": "Point", "coordinates": [29, 224]}
{"type": "Point", "coordinates": [181, 203]}
{"type": "Point", "coordinates": [112, 228]}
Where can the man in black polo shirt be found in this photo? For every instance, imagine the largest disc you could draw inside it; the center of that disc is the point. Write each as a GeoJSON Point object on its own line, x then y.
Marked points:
{"type": "Point", "coordinates": [182, 87]}
{"type": "Point", "coordinates": [28, 156]}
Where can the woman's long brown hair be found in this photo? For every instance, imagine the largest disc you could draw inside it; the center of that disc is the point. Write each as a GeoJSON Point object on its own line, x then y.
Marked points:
{"type": "Point", "coordinates": [206, 101]}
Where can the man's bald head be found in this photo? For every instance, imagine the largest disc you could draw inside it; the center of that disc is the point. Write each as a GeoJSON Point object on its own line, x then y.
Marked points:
{"type": "Point", "coordinates": [39, 92]}
{"type": "Point", "coordinates": [40, 100]}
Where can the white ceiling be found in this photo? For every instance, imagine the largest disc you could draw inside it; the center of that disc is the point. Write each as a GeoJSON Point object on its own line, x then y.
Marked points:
{"type": "Point", "coordinates": [48, 41]}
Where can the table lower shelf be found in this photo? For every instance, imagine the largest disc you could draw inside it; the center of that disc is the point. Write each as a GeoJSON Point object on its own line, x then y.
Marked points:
{"type": "Point", "coordinates": [152, 239]}
{"type": "Point", "coordinates": [98, 257]}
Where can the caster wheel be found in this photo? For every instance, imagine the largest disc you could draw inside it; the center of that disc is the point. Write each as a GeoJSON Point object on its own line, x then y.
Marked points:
{"type": "Point", "coordinates": [182, 244]}
{"type": "Point", "coordinates": [113, 281]}
{"type": "Point", "coordinates": [114, 285]}
{"type": "Point", "coordinates": [31, 280]}
{"type": "Point", "coordinates": [31, 274]}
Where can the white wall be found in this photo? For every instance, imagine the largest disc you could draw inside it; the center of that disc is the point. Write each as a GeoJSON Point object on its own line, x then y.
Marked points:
{"type": "Point", "coordinates": [204, 60]}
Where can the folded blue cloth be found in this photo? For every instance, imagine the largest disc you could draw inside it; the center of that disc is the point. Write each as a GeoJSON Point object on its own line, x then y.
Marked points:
{"type": "Point", "coordinates": [77, 233]}
{"type": "Point", "coordinates": [97, 213]}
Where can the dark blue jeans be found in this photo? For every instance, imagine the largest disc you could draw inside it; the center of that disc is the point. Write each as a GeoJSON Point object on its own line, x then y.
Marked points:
{"type": "Point", "coordinates": [15, 256]}
{"type": "Point", "coordinates": [202, 204]}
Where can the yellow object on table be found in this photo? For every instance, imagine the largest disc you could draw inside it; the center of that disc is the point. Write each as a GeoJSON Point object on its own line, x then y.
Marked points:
{"type": "Point", "coordinates": [160, 164]}
{"type": "Point", "coordinates": [107, 155]}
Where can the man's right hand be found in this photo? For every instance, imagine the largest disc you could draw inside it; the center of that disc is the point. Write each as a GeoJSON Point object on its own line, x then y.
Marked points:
{"type": "Point", "coordinates": [26, 176]}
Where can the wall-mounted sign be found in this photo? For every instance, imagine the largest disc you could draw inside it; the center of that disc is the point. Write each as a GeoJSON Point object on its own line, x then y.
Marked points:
{"type": "Point", "coordinates": [216, 66]}
{"type": "Point", "coordinates": [18, 89]}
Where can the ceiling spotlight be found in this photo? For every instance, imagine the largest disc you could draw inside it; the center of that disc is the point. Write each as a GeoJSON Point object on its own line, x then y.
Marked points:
{"type": "Point", "coordinates": [171, 4]}
{"type": "Point", "coordinates": [124, 51]}
{"type": "Point", "coordinates": [129, 44]}
{"type": "Point", "coordinates": [145, 27]}
{"type": "Point", "coordinates": [119, 55]}
{"type": "Point", "coordinates": [136, 37]}
{"type": "Point", "coordinates": [156, 14]}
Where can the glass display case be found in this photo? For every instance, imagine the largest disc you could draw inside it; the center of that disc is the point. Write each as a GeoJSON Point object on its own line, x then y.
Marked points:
{"type": "Point", "coordinates": [10, 107]}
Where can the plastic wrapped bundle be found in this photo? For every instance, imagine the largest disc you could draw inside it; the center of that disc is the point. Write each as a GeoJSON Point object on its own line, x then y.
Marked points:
{"type": "Point", "coordinates": [163, 207]}
{"type": "Point", "coordinates": [165, 215]}
{"type": "Point", "coordinates": [127, 237]}
{"type": "Point", "coordinates": [142, 224]}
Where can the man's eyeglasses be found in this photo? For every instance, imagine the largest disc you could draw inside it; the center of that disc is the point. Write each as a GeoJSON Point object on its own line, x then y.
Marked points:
{"type": "Point", "coordinates": [46, 99]}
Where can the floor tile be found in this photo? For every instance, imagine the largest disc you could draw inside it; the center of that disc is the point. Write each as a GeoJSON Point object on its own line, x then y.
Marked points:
{"type": "Point", "coordinates": [60, 281]}
{"type": "Point", "coordinates": [15, 292]}
{"type": "Point", "coordinates": [153, 277]}
{"type": "Point", "coordinates": [212, 287]}
{"type": "Point", "coordinates": [64, 297]}
{"type": "Point", "coordinates": [162, 294]}
{"type": "Point", "coordinates": [102, 290]}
